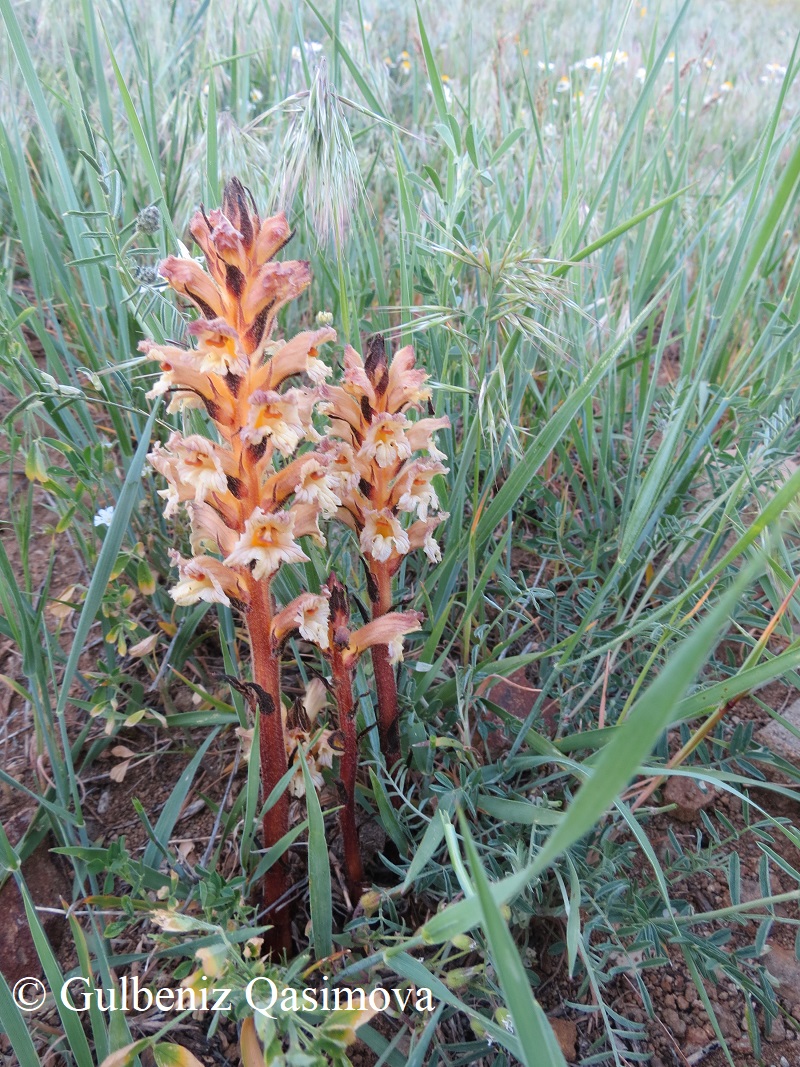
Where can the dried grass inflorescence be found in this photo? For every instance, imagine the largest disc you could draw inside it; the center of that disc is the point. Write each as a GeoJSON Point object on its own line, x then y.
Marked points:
{"type": "Point", "coordinates": [255, 491]}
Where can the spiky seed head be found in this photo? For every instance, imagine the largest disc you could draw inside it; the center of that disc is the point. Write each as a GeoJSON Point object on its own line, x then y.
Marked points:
{"type": "Point", "coordinates": [148, 220]}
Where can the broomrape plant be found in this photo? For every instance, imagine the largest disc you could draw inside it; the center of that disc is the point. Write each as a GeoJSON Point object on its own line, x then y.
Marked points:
{"type": "Point", "coordinates": [252, 494]}
{"type": "Point", "coordinates": [371, 454]}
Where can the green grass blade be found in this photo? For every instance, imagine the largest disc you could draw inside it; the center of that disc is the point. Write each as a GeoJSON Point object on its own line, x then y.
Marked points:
{"type": "Point", "coordinates": [13, 1025]}
{"type": "Point", "coordinates": [319, 871]}
{"type": "Point", "coordinates": [172, 809]}
{"type": "Point", "coordinates": [539, 1044]}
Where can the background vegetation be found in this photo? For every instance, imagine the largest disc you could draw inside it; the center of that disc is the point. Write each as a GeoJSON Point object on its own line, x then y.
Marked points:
{"type": "Point", "coordinates": [588, 230]}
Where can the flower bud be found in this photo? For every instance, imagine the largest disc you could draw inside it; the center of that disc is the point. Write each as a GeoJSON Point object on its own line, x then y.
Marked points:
{"type": "Point", "coordinates": [36, 464]}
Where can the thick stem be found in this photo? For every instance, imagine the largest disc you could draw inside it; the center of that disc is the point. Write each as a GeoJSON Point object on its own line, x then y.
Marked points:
{"type": "Point", "coordinates": [272, 749]}
{"type": "Point", "coordinates": [343, 687]}
{"type": "Point", "coordinates": [385, 683]}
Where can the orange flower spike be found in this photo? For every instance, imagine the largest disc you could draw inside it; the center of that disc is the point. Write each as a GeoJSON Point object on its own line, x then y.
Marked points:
{"type": "Point", "coordinates": [249, 497]}
{"type": "Point", "coordinates": [374, 473]}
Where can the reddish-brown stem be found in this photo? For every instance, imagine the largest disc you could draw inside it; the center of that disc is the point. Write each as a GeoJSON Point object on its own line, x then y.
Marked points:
{"type": "Point", "coordinates": [385, 683]}
{"type": "Point", "coordinates": [343, 689]}
{"type": "Point", "coordinates": [272, 750]}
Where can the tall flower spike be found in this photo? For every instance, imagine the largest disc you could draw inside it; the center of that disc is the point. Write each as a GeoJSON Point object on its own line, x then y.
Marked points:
{"type": "Point", "coordinates": [382, 466]}
{"type": "Point", "coordinates": [250, 496]}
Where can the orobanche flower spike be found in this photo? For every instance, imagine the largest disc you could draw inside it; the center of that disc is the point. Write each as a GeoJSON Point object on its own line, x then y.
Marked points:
{"type": "Point", "coordinates": [249, 497]}
{"type": "Point", "coordinates": [382, 465]}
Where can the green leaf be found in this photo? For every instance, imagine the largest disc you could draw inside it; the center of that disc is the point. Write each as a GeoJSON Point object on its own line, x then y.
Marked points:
{"type": "Point", "coordinates": [172, 809]}
{"type": "Point", "coordinates": [539, 1044]}
{"type": "Point", "coordinates": [649, 717]}
{"type": "Point", "coordinates": [431, 839]}
{"type": "Point", "coordinates": [107, 559]}
{"type": "Point", "coordinates": [15, 1029]}
{"type": "Point", "coordinates": [437, 88]}
{"type": "Point", "coordinates": [319, 870]}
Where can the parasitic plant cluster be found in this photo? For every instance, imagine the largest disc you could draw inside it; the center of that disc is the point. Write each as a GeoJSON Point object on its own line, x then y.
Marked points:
{"type": "Point", "coordinates": [381, 479]}
{"type": "Point", "coordinates": [260, 485]}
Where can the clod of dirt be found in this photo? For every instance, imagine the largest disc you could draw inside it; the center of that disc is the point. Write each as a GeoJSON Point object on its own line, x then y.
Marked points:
{"type": "Point", "coordinates": [689, 797]}
{"type": "Point", "coordinates": [780, 740]}
{"type": "Point", "coordinates": [567, 1033]}
{"type": "Point", "coordinates": [783, 964]}
{"type": "Point", "coordinates": [517, 696]}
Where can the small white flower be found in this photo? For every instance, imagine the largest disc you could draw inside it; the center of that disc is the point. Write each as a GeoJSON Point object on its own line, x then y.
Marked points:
{"type": "Point", "coordinates": [104, 517]}
{"type": "Point", "coordinates": [641, 74]}
{"type": "Point", "coordinates": [431, 549]}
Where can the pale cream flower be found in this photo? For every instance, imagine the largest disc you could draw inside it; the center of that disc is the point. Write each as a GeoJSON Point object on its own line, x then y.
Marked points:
{"type": "Point", "coordinates": [198, 464]}
{"type": "Point", "coordinates": [172, 499]}
{"type": "Point", "coordinates": [297, 356]}
{"type": "Point", "coordinates": [420, 535]}
{"type": "Point", "coordinates": [415, 487]}
{"type": "Point", "coordinates": [406, 386]}
{"type": "Point", "coordinates": [386, 441]}
{"type": "Point", "coordinates": [267, 542]}
{"type": "Point", "coordinates": [395, 648]}
{"type": "Point", "coordinates": [163, 461]}
{"type": "Point", "coordinates": [218, 349]}
{"type": "Point", "coordinates": [316, 487]}
{"type": "Point", "coordinates": [210, 533]}
{"type": "Point", "coordinates": [431, 548]}
{"type": "Point", "coordinates": [383, 536]}
{"type": "Point", "coordinates": [315, 699]}
{"type": "Point", "coordinates": [343, 471]}
{"type": "Point", "coordinates": [316, 369]}
{"type": "Point", "coordinates": [420, 435]}
{"type": "Point", "coordinates": [283, 417]}
{"type": "Point", "coordinates": [207, 579]}
{"type": "Point", "coordinates": [181, 400]}
{"type": "Point", "coordinates": [309, 614]}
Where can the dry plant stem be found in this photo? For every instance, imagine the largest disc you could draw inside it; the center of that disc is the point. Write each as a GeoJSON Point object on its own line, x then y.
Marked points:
{"type": "Point", "coordinates": [712, 721]}
{"type": "Point", "coordinates": [272, 749]}
{"type": "Point", "coordinates": [385, 683]}
{"type": "Point", "coordinates": [343, 689]}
